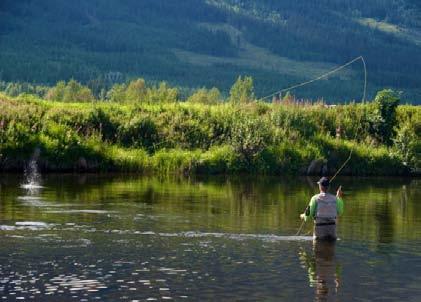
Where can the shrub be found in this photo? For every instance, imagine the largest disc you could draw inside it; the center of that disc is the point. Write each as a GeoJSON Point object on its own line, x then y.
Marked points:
{"type": "Point", "coordinates": [70, 92]}
{"type": "Point", "coordinates": [242, 91]}
{"type": "Point", "coordinates": [175, 160]}
{"type": "Point", "coordinates": [117, 93]}
{"type": "Point", "coordinates": [408, 143]}
{"type": "Point", "coordinates": [163, 93]}
{"type": "Point", "coordinates": [218, 160]}
{"type": "Point", "coordinates": [205, 96]}
{"type": "Point", "coordinates": [136, 91]}
{"type": "Point", "coordinates": [221, 138]}
{"type": "Point", "coordinates": [249, 136]}
{"type": "Point", "coordinates": [140, 131]}
{"type": "Point", "coordinates": [383, 117]}
{"type": "Point", "coordinates": [123, 159]}
{"type": "Point", "coordinates": [100, 121]}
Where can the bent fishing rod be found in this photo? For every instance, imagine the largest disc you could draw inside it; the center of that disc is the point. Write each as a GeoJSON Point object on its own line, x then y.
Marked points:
{"type": "Point", "coordinates": [356, 132]}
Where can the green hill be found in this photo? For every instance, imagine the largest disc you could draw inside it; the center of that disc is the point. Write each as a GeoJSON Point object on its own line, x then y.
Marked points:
{"type": "Point", "coordinates": [194, 43]}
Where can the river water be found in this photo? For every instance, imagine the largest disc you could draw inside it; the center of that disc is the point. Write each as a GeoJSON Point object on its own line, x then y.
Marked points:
{"type": "Point", "coordinates": [132, 238]}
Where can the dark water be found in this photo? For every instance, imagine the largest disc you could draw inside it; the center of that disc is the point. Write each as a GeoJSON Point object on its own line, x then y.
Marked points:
{"type": "Point", "coordinates": [129, 238]}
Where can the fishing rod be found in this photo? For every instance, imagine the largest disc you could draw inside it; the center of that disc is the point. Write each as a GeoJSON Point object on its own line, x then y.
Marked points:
{"type": "Point", "coordinates": [356, 131]}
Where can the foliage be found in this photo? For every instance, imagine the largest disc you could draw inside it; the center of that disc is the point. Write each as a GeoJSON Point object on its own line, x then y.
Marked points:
{"type": "Point", "coordinates": [249, 136]}
{"type": "Point", "coordinates": [71, 91]}
{"type": "Point", "coordinates": [162, 93]}
{"type": "Point", "coordinates": [15, 89]}
{"type": "Point", "coordinates": [382, 119]}
{"type": "Point", "coordinates": [117, 93]}
{"type": "Point", "coordinates": [242, 91]}
{"type": "Point", "coordinates": [191, 137]}
{"type": "Point", "coordinates": [206, 96]}
{"type": "Point", "coordinates": [407, 142]}
{"type": "Point", "coordinates": [136, 90]}
{"type": "Point", "coordinates": [140, 131]}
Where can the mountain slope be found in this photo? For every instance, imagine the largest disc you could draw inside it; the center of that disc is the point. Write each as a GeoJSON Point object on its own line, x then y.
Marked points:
{"type": "Point", "coordinates": [209, 43]}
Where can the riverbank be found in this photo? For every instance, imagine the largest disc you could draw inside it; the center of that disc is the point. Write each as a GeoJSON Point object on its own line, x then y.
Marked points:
{"type": "Point", "coordinates": [186, 138]}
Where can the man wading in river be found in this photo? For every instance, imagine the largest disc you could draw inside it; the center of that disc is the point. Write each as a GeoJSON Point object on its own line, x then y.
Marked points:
{"type": "Point", "coordinates": [324, 208]}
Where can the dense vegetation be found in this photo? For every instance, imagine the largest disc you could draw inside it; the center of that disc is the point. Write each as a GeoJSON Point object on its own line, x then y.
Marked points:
{"type": "Point", "coordinates": [142, 127]}
{"type": "Point", "coordinates": [197, 43]}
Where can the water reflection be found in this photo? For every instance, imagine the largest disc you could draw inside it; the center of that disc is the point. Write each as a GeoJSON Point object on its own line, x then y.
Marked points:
{"type": "Point", "coordinates": [324, 270]}
{"type": "Point", "coordinates": [125, 237]}
{"type": "Point", "coordinates": [376, 209]}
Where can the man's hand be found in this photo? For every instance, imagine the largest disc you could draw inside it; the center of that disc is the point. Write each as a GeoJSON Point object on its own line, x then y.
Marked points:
{"type": "Point", "coordinates": [302, 216]}
{"type": "Point", "coordinates": [339, 193]}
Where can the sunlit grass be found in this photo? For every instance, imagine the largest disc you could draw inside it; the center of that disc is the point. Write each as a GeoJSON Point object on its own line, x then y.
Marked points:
{"type": "Point", "coordinates": [188, 138]}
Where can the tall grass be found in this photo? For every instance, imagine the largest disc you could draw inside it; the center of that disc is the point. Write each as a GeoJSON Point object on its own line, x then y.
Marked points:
{"type": "Point", "coordinates": [198, 138]}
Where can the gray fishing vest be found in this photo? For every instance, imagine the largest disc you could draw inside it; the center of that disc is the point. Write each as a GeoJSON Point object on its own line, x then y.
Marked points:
{"type": "Point", "coordinates": [326, 207]}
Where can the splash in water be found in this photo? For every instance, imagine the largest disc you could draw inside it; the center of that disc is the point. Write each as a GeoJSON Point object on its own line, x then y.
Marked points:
{"type": "Point", "coordinates": [32, 175]}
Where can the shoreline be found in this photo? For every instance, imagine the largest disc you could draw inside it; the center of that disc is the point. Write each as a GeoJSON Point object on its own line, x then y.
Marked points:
{"type": "Point", "coordinates": [97, 168]}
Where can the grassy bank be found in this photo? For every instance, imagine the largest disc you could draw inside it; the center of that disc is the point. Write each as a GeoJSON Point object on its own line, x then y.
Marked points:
{"type": "Point", "coordinates": [289, 138]}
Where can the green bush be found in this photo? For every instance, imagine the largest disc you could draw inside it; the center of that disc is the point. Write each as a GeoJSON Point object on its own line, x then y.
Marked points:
{"type": "Point", "coordinates": [205, 96]}
{"type": "Point", "coordinates": [162, 93]}
{"type": "Point", "coordinates": [70, 92]}
{"type": "Point", "coordinates": [382, 120]}
{"type": "Point", "coordinates": [407, 142]}
{"type": "Point", "coordinates": [140, 131]}
{"type": "Point", "coordinates": [181, 161]}
{"type": "Point", "coordinates": [249, 136]}
{"type": "Point", "coordinates": [194, 137]}
{"type": "Point", "coordinates": [219, 160]}
{"type": "Point", "coordinates": [242, 91]}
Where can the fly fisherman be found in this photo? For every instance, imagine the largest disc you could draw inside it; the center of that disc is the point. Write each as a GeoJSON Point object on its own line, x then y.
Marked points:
{"type": "Point", "coordinates": [324, 208]}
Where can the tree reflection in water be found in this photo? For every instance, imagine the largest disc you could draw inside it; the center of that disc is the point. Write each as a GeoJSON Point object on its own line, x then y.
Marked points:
{"type": "Point", "coordinates": [324, 270]}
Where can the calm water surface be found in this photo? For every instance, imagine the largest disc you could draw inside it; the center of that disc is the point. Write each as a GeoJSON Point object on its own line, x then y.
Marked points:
{"type": "Point", "coordinates": [131, 238]}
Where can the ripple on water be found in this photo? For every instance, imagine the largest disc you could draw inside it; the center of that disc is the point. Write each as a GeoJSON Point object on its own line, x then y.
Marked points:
{"type": "Point", "coordinates": [37, 201]}
{"type": "Point", "coordinates": [80, 211]}
{"type": "Point", "coordinates": [26, 225]}
{"type": "Point", "coordinates": [268, 237]}
{"type": "Point", "coordinates": [31, 200]}
{"type": "Point", "coordinates": [32, 223]}
{"type": "Point", "coordinates": [31, 186]}
{"type": "Point", "coordinates": [76, 284]}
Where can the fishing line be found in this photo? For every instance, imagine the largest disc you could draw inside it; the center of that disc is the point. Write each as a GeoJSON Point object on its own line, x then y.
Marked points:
{"type": "Point", "coordinates": [359, 122]}
{"type": "Point", "coordinates": [325, 75]}
{"type": "Point", "coordinates": [356, 131]}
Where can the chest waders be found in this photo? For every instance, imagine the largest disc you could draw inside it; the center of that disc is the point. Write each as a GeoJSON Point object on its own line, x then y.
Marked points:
{"type": "Point", "coordinates": [325, 218]}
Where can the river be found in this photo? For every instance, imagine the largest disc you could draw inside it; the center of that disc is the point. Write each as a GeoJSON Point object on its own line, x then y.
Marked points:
{"type": "Point", "coordinates": [133, 238]}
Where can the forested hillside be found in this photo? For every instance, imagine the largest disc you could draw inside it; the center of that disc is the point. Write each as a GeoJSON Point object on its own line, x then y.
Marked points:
{"type": "Point", "coordinates": [195, 43]}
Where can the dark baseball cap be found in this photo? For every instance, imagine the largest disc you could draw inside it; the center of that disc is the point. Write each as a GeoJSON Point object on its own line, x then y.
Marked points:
{"type": "Point", "coordinates": [324, 182]}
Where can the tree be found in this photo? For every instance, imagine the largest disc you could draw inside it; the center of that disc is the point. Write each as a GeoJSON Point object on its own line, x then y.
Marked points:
{"type": "Point", "coordinates": [117, 93]}
{"type": "Point", "coordinates": [162, 94]}
{"type": "Point", "coordinates": [76, 92]}
{"type": "Point", "coordinates": [56, 93]}
{"type": "Point", "coordinates": [205, 96]}
{"type": "Point", "coordinates": [71, 92]}
{"type": "Point", "coordinates": [136, 90]}
{"type": "Point", "coordinates": [382, 120]}
{"type": "Point", "coordinates": [242, 91]}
